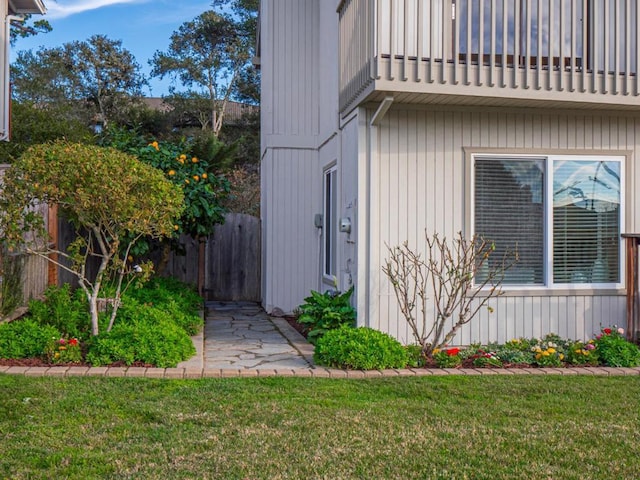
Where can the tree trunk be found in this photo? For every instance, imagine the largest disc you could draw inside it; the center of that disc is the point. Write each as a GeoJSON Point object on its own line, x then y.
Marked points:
{"type": "Point", "coordinates": [164, 258]}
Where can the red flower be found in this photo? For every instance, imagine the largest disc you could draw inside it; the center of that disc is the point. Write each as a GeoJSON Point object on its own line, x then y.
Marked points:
{"type": "Point", "coordinates": [452, 352]}
{"type": "Point", "coordinates": [73, 341]}
{"type": "Point", "coordinates": [607, 331]}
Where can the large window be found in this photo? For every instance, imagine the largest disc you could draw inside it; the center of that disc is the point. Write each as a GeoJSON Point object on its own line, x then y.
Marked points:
{"type": "Point", "coordinates": [562, 214]}
{"type": "Point", "coordinates": [330, 216]}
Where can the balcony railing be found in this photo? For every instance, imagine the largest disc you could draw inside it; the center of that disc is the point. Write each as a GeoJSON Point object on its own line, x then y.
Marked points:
{"type": "Point", "coordinates": [580, 51]}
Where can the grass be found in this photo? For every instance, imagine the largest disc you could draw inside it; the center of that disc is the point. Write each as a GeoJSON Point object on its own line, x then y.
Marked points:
{"type": "Point", "coordinates": [440, 427]}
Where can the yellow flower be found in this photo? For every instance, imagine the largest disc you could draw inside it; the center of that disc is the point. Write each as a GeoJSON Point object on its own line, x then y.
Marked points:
{"type": "Point", "coordinates": [186, 180]}
{"type": "Point", "coordinates": [176, 227]}
{"type": "Point", "coordinates": [204, 175]}
{"type": "Point", "coordinates": [194, 159]}
{"type": "Point", "coordinates": [561, 356]}
{"type": "Point", "coordinates": [181, 160]}
{"type": "Point", "coordinates": [545, 353]}
{"type": "Point", "coordinates": [196, 178]}
{"type": "Point", "coordinates": [172, 172]}
{"type": "Point", "coordinates": [538, 356]}
{"type": "Point", "coordinates": [154, 145]}
{"type": "Point", "coordinates": [182, 157]}
{"type": "Point", "coordinates": [437, 350]}
{"type": "Point", "coordinates": [551, 350]}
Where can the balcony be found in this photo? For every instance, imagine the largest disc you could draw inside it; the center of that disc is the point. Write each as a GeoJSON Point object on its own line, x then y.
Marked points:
{"type": "Point", "coordinates": [514, 53]}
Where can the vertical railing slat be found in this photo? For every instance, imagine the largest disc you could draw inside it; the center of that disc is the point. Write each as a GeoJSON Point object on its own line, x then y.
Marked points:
{"type": "Point", "coordinates": [405, 56]}
{"type": "Point", "coordinates": [505, 42]}
{"type": "Point", "coordinates": [492, 48]}
{"type": "Point", "coordinates": [595, 43]}
{"type": "Point", "coordinates": [527, 59]}
{"type": "Point", "coordinates": [443, 43]}
{"type": "Point", "coordinates": [377, 40]}
{"type": "Point", "coordinates": [419, 34]}
{"type": "Point", "coordinates": [516, 43]}
{"type": "Point", "coordinates": [605, 69]}
{"type": "Point", "coordinates": [561, 49]}
{"type": "Point", "coordinates": [480, 43]}
{"type": "Point", "coordinates": [574, 33]}
{"type": "Point", "coordinates": [431, 41]}
{"type": "Point", "coordinates": [539, 46]}
{"type": "Point", "coordinates": [469, 32]}
{"type": "Point", "coordinates": [392, 41]}
{"type": "Point", "coordinates": [456, 43]}
{"type": "Point", "coordinates": [585, 46]}
{"type": "Point", "coordinates": [627, 45]}
{"type": "Point", "coordinates": [616, 46]}
{"type": "Point", "coordinates": [551, 43]}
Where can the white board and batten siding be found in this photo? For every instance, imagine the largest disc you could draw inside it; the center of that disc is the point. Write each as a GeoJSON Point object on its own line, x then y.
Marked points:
{"type": "Point", "coordinates": [418, 183]}
{"type": "Point", "coordinates": [299, 124]}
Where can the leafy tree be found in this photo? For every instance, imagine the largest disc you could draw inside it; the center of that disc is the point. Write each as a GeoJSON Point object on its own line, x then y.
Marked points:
{"type": "Point", "coordinates": [247, 88]}
{"type": "Point", "coordinates": [32, 125]}
{"type": "Point", "coordinates": [27, 28]}
{"type": "Point", "coordinates": [112, 199]}
{"type": "Point", "coordinates": [94, 78]}
{"type": "Point", "coordinates": [193, 168]}
{"type": "Point", "coordinates": [207, 55]}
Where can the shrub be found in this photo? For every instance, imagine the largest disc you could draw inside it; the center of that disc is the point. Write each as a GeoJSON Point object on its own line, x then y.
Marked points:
{"type": "Point", "coordinates": [360, 348]}
{"type": "Point", "coordinates": [170, 311]}
{"type": "Point", "coordinates": [161, 290]}
{"type": "Point", "coordinates": [63, 309]}
{"type": "Point", "coordinates": [514, 356]}
{"type": "Point", "coordinates": [157, 342]}
{"type": "Point", "coordinates": [326, 311]}
{"type": "Point", "coordinates": [614, 350]}
{"type": "Point", "coordinates": [25, 338]}
{"type": "Point", "coordinates": [416, 358]}
{"type": "Point", "coordinates": [447, 358]}
{"type": "Point", "coordinates": [63, 350]}
{"type": "Point", "coordinates": [580, 353]}
{"type": "Point", "coordinates": [176, 299]}
{"type": "Point", "coordinates": [483, 358]}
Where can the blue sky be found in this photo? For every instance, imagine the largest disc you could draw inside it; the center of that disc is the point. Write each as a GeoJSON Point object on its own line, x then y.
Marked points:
{"type": "Point", "coordinates": [144, 26]}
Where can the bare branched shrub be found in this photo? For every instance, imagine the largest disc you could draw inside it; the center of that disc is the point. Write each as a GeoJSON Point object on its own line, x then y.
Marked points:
{"type": "Point", "coordinates": [448, 272]}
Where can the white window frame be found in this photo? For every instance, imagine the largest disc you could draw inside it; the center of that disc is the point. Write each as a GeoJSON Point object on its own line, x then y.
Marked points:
{"type": "Point", "coordinates": [330, 224]}
{"type": "Point", "coordinates": [547, 254]}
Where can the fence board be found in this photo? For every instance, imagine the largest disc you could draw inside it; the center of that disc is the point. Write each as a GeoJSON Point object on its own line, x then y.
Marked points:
{"type": "Point", "coordinates": [233, 260]}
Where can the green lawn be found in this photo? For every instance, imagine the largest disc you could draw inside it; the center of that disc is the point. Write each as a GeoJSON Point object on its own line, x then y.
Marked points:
{"type": "Point", "coordinates": [537, 427]}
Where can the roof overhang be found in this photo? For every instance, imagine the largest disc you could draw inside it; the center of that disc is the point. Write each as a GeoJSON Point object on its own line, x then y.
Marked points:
{"type": "Point", "coordinates": [27, 6]}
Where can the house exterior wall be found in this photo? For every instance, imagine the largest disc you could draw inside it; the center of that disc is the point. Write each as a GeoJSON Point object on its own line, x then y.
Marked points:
{"type": "Point", "coordinates": [418, 183]}
{"type": "Point", "coordinates": [299, 135]}
{"type": "Point", "coordinates": [401, 176]}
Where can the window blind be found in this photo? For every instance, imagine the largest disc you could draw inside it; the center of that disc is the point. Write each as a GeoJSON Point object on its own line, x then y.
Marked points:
{"type": "Point", "coordinates": [509, 211]}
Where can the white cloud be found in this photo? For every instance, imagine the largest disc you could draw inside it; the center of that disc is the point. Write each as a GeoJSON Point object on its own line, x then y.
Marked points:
{"type": "Point", "coordinates": [72, 7]}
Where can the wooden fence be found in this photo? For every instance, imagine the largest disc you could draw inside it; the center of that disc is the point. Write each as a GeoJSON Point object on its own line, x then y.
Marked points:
{"type": "Point", "coordinates": [31, 270]}
{"type": "Point", "coordinates": [231, 259]}
{"type": "Point", "coordinates": [231, 266]}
